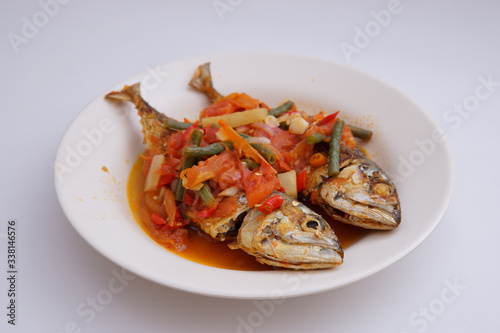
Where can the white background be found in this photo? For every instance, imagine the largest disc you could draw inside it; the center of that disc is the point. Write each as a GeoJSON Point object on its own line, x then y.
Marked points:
{"type": "Point", "coordinates": [435, 52]}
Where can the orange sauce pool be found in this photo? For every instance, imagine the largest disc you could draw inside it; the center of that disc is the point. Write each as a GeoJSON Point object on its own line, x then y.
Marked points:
{"type": "Point", "coordinates": [204, 250]}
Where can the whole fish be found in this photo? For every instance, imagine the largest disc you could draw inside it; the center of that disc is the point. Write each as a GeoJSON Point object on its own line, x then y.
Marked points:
{"type": "Point", "coordinates": [362, 194]}
{"type": "Point", "coordinates": [292, 236]}
{"type": "Point", "coordinates": [155, 134]}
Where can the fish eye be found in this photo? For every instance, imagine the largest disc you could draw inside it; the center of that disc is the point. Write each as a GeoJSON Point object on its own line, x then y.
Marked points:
{"type": "Point", "coordinates": [382, 189]}
{"type": "Point", "coordinates": [313, 224]}
{"type": "Point", "coordinates": [364, 166]}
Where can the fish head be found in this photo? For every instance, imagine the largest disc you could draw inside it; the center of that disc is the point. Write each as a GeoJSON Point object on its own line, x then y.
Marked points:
{"type": "Point", "coordinates": [362, 194]}
{"type": "Point", "coordinates": [292, 236]}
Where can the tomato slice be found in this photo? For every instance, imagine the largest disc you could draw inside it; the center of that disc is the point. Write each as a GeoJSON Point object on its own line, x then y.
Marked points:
{"type": "Point", "coordinates": [215, 166]}
{"type": "Point", "coordinates": [258, 184]}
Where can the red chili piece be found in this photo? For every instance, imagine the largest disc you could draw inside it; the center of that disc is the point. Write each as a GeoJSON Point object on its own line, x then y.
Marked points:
{"type": "Point", "coordinates": [328, 118]}
{"type": "Point", "coordinates": [157, 219]}
{"type": "Point", "coordinates": [188, 200]}
{"type": "Point", "coordinates": [301, 180]}
{"type": "Point", "coordinates": [280, 189]}
{"type": "Point", "coordinates": [271, 204]}
{"type": "Point", "coordinates": [206, 212]}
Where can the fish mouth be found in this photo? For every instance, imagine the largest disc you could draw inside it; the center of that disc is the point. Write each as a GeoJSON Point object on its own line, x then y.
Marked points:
{"type": "Point", "coordinates": [367, 223]}
{"type": "Point", "coordinates": [289, 252]}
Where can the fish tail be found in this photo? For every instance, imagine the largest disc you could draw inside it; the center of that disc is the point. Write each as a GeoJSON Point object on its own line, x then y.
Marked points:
{"type": "Point", "coordinates": [128, 93]}
{"type": "Point", "coordinates": [155, 135]}
{"type": "Point", "coordinates": [202, 81]}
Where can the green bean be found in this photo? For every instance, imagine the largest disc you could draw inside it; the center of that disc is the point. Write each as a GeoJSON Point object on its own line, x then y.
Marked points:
{"type": "Point", "coordinates": [314, 138]}
{"type": "Point", "coordinates": [360, 133]}
{"type": "Point", "coordinates": [206, 195]}
{"type": "Point", "coordinates": [196, 137]}
{"type": "Point", "coordinates": [250, 164]}
{"type": "Point", "coordinates": [267, 153]}
{"type": "Point", "coordinates": [179, 189]}
{"type": "Point", "coordinates": [285, 107]}
{"type": "Point", "coordinates": [213, 149]}
{"type": "Point", "coordinates": [334, 158]}
{"type": "Point", "coordinates": [175, 125]}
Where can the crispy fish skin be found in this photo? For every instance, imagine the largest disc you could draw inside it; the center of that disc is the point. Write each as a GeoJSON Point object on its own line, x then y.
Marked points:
{"type": "Point", "coordinates": [155, 135]}
{"type": "Point", "coordinates": [221, 228]}
{"type": "Point", "coordinates": [202, 81]}
{"type": "Point", "coordinates": [361, 195]}
{"type": "Point", "coordinates": [292, 236]}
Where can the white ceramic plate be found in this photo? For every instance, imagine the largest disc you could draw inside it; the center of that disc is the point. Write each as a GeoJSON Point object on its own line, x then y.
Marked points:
{"type": "Point", "coordinates": [105, 134]}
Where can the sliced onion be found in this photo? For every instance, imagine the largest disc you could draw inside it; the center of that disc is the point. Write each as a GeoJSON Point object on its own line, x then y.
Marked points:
{"type": "Point", "coordinates": [221, 135]}
{"type": "Point", "coordinates": [271, 121]}
{"type": "Point", "coordinates": [258, 139]}
{"type": "Point", "coordinates": [289, 182]}
{"type": "Point", "coordinates": [230, 192]}
{"type": "Point", "coordinates": [153, 177]}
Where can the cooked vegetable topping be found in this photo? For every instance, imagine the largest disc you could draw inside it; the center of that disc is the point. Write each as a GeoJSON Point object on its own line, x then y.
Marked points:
{"type": "Point", "coordinates": [210, 150]}
{"type": "Point", "coordinates": [314, 138]}
{"type": "Point", "coordinates": [206, 195]}
{"type": "Point", "coordinates": [196, 138]}
{"type": "Point", "coordinates": [301, 180]}
{"type": "Point", "coordinates": [271, 204]}
{"type": "Point", "coordinates": [153, 176]}
{"type": "Point", "coordinates": [238, 118]}
{"type": "Point", "coordinates": [288, 181]}
{"type": "Point", "coordinates": [238, 147]}
{"type": "Point", "coordinates": [285, 107]}
{"type": "Point", "coordinates": [334, 159]}
{"type": "Point", "coordinates": [360, 133]}
{"type": "Point", "coordinates": [317, 160]}
{"type": "Point", "coordinates": [329, 118]}
{"type": "Point", "coordinates": [298, 125]}
{"type": "Point", "coordinates": [266, 152]}
{"type": "Point", "coordinates": [175, 125]}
